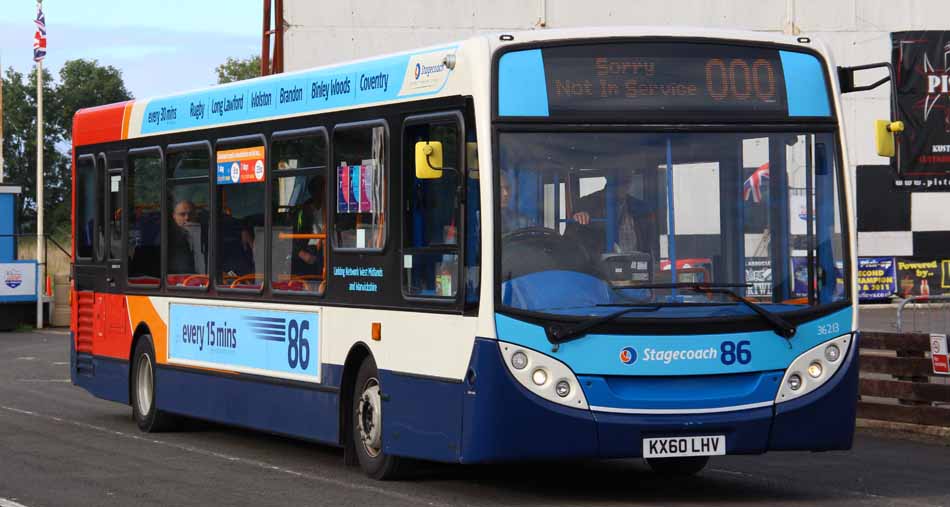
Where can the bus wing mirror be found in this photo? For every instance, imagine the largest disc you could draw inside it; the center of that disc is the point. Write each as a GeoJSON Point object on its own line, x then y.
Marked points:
{"type": "Point", "coordinates": [884, 131]}
{"type": "Point", "coordinates": [428, 160]}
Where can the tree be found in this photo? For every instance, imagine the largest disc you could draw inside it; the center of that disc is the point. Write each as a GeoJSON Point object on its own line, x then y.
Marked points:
{"type": "Point", "coordinates": [82, 83]}
{"type": "Point", "coordinates": [238, 69]}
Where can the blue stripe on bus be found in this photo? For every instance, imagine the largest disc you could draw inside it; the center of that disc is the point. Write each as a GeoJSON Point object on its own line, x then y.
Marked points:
{"type": "Point", "coordinates": [805, 85]}
{"type": "Point", "coordinates": [522, 88]}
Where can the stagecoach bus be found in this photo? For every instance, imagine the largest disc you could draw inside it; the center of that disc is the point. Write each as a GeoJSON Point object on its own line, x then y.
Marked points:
{"type": "Point", "coordinates": [555, 244]}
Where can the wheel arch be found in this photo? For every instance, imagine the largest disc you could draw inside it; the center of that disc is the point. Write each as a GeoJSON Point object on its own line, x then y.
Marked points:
{"type": "Point", "coordinates": [354, 358]}
{"type": "Point", "coordinates": [141, 330]}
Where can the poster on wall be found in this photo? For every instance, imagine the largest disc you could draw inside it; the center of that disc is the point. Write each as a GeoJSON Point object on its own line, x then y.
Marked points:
{"type": "Point", "coordinates": [758, 273]}
{"type": "Point", "coordinates": [923, 277]}
{"type": "Point", "coordinates": [921, 61]}
{"type": "Point", "coordinates": [877, 278]}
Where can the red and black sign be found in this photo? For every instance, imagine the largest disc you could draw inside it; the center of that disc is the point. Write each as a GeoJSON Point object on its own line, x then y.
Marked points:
{"type": "Point", "coordinates": [922, 66]}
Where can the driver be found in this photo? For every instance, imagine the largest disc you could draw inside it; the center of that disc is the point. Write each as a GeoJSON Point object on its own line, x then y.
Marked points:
{"type": "Point", "coordinates": [511, 218]}
{"type": "Point", "coordinates": [636, 219]}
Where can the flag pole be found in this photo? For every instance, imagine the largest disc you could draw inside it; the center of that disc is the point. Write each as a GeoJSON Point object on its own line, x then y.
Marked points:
{"type": "Point", "coordinates": [40, 236]}
{"type": "Point", "coordinates": [1, 118]}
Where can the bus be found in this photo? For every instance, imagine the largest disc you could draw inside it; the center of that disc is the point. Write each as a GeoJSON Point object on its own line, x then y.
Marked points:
{"type": "Point", "coordinates": [621, 242]}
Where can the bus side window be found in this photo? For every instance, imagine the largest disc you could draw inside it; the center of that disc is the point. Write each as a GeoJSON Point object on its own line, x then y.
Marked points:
{"type": "Point", "coordinates": [85, 206]}
{"type": "Point", "coordinates": [144, 212]}
{"type": "Point", "coordinates": [240, 178]}
{"type": "Point", "coordinates": [299, 213]}
{"type": "Point", "coordinates": [186, 258]}
{"type": "Point", "coordinates": [360, 184]}
{"type": "Point", "coordinates": [431, 217]}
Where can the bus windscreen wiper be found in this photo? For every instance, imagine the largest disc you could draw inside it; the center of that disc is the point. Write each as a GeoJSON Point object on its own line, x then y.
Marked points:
{"type": "Point", "coordinates": [562, 334]}
{"type": "Point", "coordinates": [781, 326]}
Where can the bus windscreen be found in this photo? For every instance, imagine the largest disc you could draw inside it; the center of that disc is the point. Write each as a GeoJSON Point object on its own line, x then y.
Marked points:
{"type": "Point", "coordinates": [661, 78]}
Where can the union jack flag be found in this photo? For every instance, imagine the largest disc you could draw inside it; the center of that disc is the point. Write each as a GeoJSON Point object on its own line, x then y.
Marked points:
{"type": "Point", "coordinates": [39, 38]}
{"type": "Point", "coordinates": [753, 185]}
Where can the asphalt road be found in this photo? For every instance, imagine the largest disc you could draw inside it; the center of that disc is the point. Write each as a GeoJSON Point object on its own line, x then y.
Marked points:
{"type": "Point", "coordinates": [61, 446]}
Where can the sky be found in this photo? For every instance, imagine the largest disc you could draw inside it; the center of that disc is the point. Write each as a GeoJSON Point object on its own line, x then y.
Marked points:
{"type": "Point", "coordinates": [161, 46]}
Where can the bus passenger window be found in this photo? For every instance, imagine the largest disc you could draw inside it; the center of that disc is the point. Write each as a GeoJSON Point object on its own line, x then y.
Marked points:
{"type": "Point", "coordinates": [188, 219]}
{"type": "Point", "coordinates": [298, 231]}
{"type": "Point", "coordinates": [85, 206]}
{"type": "Point", "coordinates": [145, 222]}
{"type": "Point", "coordinates": [239, 255]}
{"type": "Point", "coordinates": [360, 171]}
{"type": "Point", "coordinates": [432, 220]}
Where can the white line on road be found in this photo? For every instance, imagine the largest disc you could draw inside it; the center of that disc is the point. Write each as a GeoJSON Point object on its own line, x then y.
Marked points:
{"type": "Point", "coordinates": [9, 503]}
{"type": "Point", "coordinates": [227, 457]}
{"type": "Point", "coordinates": [43, 380]}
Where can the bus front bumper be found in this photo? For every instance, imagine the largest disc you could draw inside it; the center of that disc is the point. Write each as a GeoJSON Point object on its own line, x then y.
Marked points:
{"type": "Point", "coordinates": [503, 421]}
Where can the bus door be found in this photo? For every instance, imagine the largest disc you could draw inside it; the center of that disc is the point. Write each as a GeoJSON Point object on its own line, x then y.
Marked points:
{"type": "Point", "coordinates": [114, 303]}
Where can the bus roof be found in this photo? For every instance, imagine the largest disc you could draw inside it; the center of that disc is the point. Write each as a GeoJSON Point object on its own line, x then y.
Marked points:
{"type": "Point", "coordinates": [421, 73]}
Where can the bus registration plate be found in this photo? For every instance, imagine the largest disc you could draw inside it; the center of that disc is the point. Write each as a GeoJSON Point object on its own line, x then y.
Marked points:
{"type": "Point", "coordinates": [678, 447]}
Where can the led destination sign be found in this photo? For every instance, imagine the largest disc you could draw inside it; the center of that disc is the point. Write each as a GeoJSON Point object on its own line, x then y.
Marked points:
{"type": "Point", "coordinates": [662, 77]}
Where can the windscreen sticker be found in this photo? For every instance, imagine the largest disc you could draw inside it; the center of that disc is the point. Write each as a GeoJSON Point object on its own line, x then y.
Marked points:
{"type": "Point", "coordinates": [262, 342]}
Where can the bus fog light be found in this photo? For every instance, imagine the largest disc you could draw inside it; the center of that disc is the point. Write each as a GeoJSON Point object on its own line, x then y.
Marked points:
{"type": "Point", "coordinates": [519, 360]}
{"type": "Point", "coordinates": [815, 369]}
{"type": "Point", "coordinates": [795, 382]}
{"type": "Point", "coordinates": [832, 353]}
{"type": "Point", "coordinates": [563, 388]}
{"type": "Point", "coordinates": [539, 377]}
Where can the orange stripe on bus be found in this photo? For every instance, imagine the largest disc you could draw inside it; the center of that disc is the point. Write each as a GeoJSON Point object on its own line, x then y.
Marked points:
{"type": "Point", "coordinates": [126, 119]}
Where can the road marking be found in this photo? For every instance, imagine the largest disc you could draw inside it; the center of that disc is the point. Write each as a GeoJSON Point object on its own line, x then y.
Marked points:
{"type": "Point", "coordinates": [26, 358]}
{"type": "Point", "coordinates": [43, 380]}
{"type": "Point", "coordinates": [9, 503]}
{"type": "Point", "coordinates": [227, 457]}
{"type": "Point", "coordinates": [60, 363]}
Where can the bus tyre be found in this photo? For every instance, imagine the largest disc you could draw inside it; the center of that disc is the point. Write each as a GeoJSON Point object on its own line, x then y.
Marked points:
{"type": "Point", "coordinates": [679, 467]}
{"type": "Point", "coordinates": [149, 418]}
{"type": "Point", "coordinates": [367, 428]}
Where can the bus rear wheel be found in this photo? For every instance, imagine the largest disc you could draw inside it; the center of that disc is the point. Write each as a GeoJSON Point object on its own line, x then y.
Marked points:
{"type": "Point", "coordinates": [367, 428]}
{"type": "Point", "coordinates": [678, 467]}
{"type": "Point", "coordinates": [147, 416]}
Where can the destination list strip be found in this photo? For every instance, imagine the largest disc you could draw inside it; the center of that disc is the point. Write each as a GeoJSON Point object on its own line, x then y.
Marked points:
{"type": "Point", "coordinates": [276, 98]}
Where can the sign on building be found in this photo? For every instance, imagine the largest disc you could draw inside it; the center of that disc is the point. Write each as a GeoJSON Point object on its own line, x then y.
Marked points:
{"type": "Point", "coordinates": [921, 61]}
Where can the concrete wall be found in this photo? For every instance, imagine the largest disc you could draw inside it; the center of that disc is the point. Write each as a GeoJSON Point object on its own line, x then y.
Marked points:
{"type": "Point", "coordinates": [857, 31]}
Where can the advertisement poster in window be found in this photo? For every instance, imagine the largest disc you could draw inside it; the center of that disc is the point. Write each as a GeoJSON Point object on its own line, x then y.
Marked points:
{"type": "Point", "coordinates": [355, 191]}
{"type": "Point", "coordinates": [758, 272]}
{"type": "Point", "coordinates": [241, 165]}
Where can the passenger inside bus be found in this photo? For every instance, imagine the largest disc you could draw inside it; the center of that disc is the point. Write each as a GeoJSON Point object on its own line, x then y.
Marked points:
{"type": "Point", "coordinates": [181, 254]}
{"type": "Point", "coordinates": [310, 218]}
{"type": "Point", "coordinates": [634, 218]}
{"type": "Point", "coordinates": [512, 218]}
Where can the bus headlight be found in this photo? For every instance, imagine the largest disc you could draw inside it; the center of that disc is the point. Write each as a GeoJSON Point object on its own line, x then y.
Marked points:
{"type": "Point", "coordinates": [813, 368]}
{"type": "Point", "coordinates": [538, 372]}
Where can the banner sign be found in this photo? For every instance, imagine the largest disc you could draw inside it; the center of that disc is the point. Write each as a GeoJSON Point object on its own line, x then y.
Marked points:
{"type": "Point", "coordinates": [17, 281]}
{"type": "Point", "coordinates": [248, 340]}
{"type": "Point", "coordinates": [877, 278]}
{"type": "Point", "coordinates": [242, 165]}
{"type": "Point", "coordinates": [921, 61]}
{"type": "Point", "coordinates": [923, 277]}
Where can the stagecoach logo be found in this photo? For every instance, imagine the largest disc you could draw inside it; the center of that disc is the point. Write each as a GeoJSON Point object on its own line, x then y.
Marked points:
{"type": "Point", "coordinates": [235, 172]}
{"type": "Point", "coordinates": [13, 279]}
{"type": "Point", "coordinates": [628, 355]}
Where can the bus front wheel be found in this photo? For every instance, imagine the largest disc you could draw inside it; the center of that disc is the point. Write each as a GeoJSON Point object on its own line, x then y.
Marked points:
{"type": "Point", "coordinates": [678, 466]}
{"type": "Point", "coordinates": [367, 428]}
{"type": "Point", "coordinates": [147, 416]}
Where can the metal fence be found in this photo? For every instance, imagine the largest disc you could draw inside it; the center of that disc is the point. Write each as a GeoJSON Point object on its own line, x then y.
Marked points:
{"type": "Point", "coordinates": [924, 314]}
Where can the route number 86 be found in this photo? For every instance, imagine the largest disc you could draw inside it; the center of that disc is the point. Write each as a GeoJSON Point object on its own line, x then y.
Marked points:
{"type": "Point", "coordinates": [298, 347]}
{"type": "Point", "coordinates": [730, 352]}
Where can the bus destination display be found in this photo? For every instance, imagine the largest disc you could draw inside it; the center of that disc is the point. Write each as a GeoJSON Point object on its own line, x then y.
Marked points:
{"type": "Point", "coordinates": [667, 78]}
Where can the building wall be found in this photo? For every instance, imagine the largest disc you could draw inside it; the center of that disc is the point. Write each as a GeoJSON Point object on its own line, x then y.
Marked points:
{"type": "Point", "coordinates": [856, 31]}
